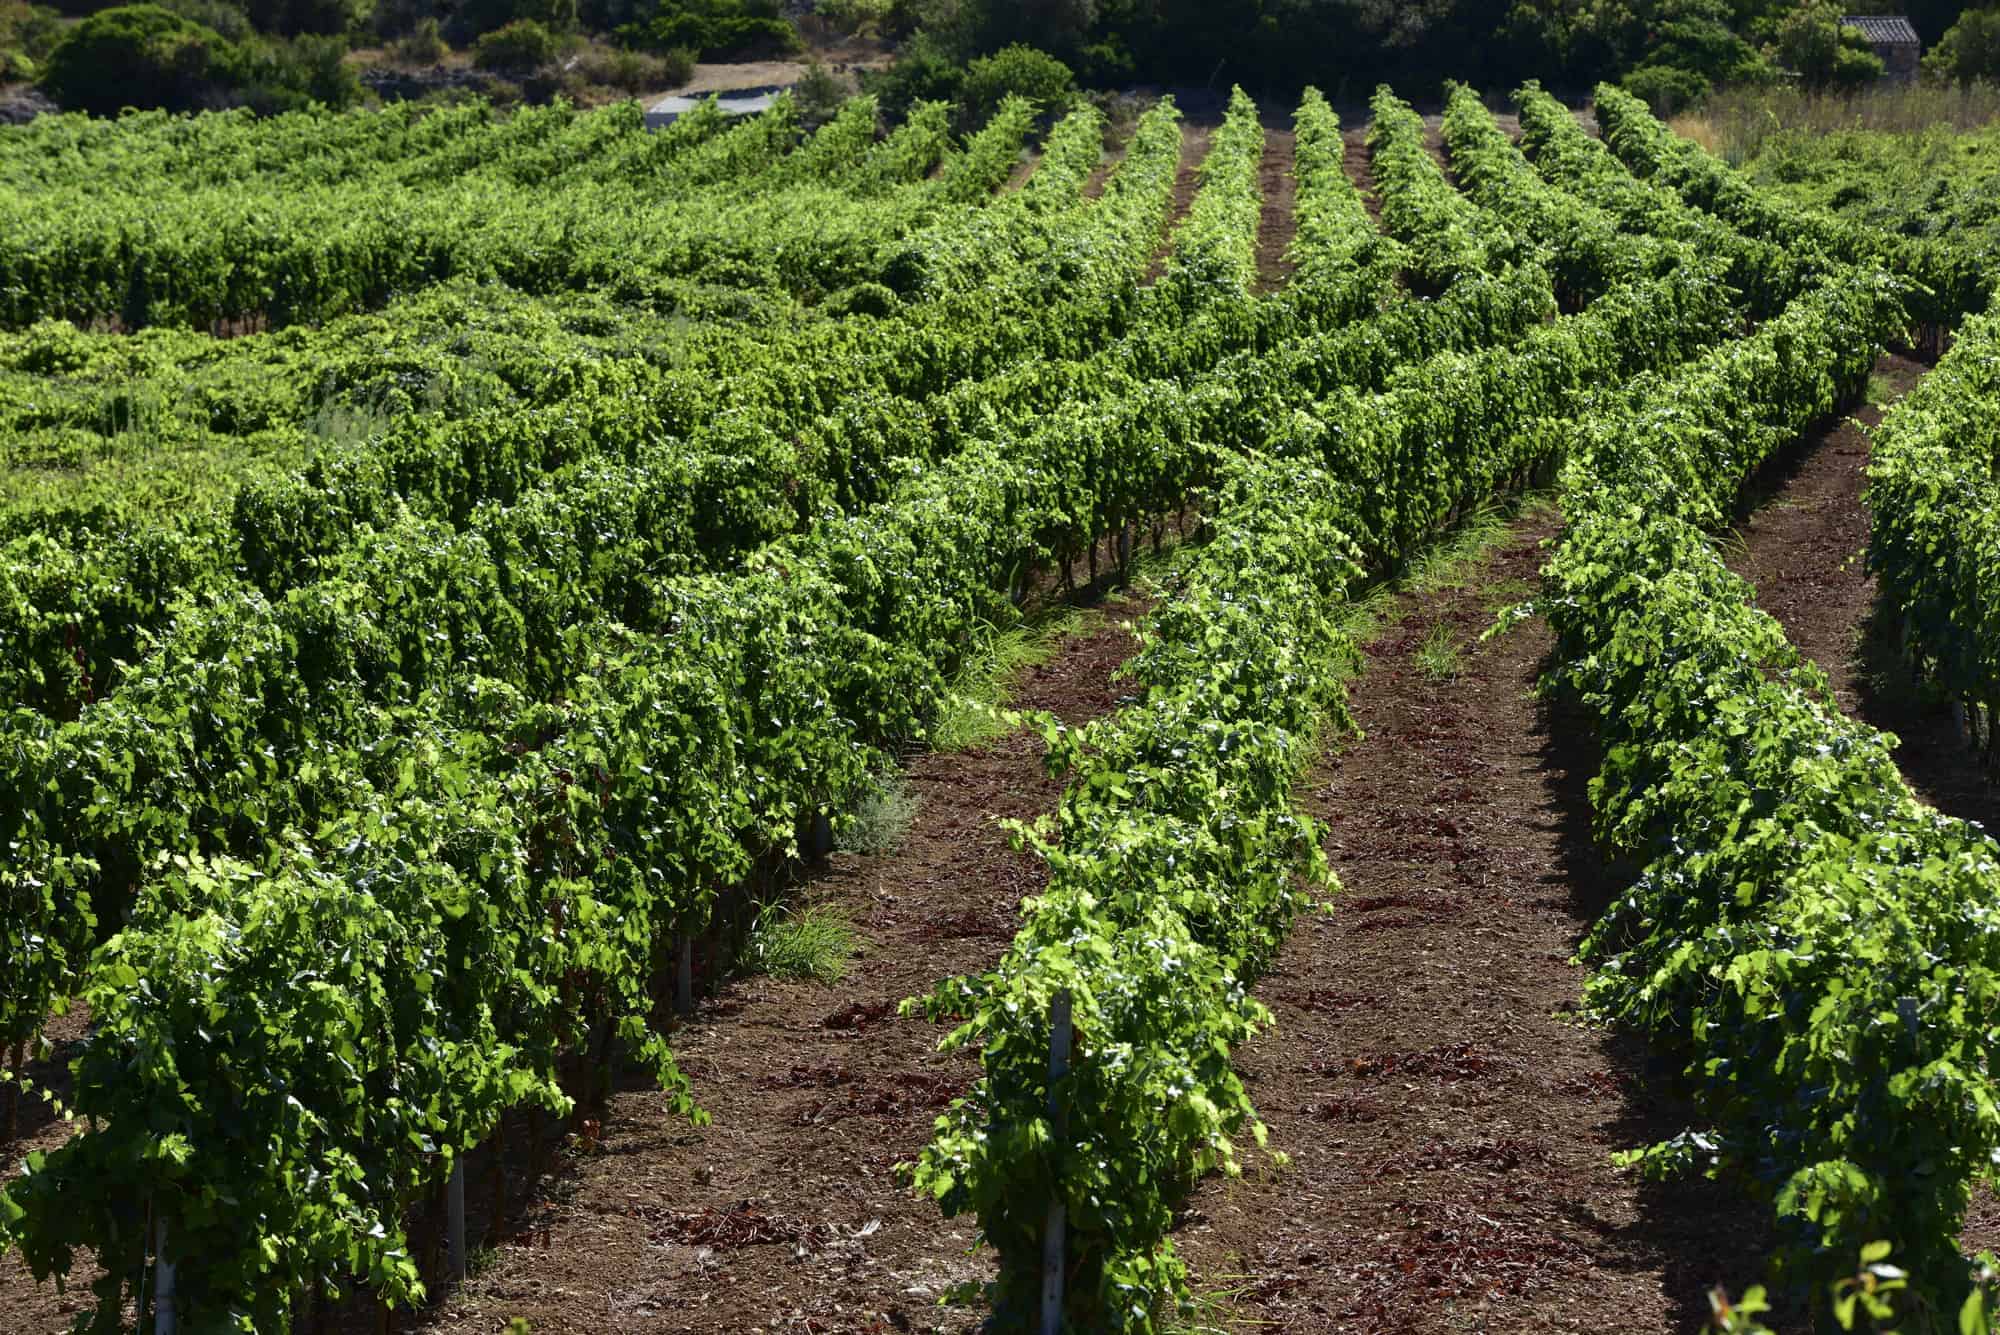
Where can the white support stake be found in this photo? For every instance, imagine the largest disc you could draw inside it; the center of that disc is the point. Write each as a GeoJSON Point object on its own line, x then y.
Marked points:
{"type": "Point", "coordinates": [165, 1313]}
{"type": "Point", "coordinates": [454, 1219]}
{"type": "Point", "coordinates": [1054, 1241]}
{"type": "Point", "coordinates": [684, 976]}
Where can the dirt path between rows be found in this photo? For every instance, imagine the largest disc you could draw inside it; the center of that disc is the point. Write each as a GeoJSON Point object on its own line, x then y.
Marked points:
{"type": "Point", "coordinates": [1449, 1124]}
{"type": "Point", "coordinates": [1093, 187]}
{"type": "Point", "coordinates": [25, 1305]}
{"type": "Point", "coordinates": [1803, 547]}
{"type": "Point", "coordinates": [1354, 160]}
{"type": "Point", "coordinates": [1279, 223]}
{"type": "Point", "coordinates": [1025, 168]}
{"type": "Point", "coordinates": [785, 1214]}
{"type": "Point", "coordinates": [1194, 147]}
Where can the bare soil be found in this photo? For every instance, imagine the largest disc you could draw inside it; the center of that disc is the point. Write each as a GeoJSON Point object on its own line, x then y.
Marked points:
{"type": "Point", "coordinates": [1093, 188]}
{"type": "Point", "coordinates": [1434, 145]}
{"type": "Point", "coordinates": [25, 1305]}
{"type": "Point", "coordinates": [1194, 147]}
{"type": "Point", "coordinates": [1804, 545]}
{"type": "Point", "coordinates": [1354, 161]}
{"type": "Point", "coordinates": [1279, 223]}
{"type": "Point", "coordinates": [1023, 169]}
{"type": "Point", "coordinates": [841, 55]}
{"type": "Point", "coordinates": [1448, 1119]}
{"type": "Point", "coordinates": [787, 1212]}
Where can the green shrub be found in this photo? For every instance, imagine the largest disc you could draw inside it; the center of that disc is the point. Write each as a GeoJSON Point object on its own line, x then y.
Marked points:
{"type": "Point", "coordinates": [228, 20]}
{"type": "Point", "coordinates": [677, 65]}
{"type": "Point", "coordinates": [635, 71]}
{"type": "Point", "coordinates": [1109, 62]}
{"type": "Point", "coordinates": [924, 71]}
{"type": "Point", "coordinates": [853, 15]}
{"type": "Point", "coordinates": [475, 18]}
{"type": "Point", "coordinates": [1016, 71]}
{"type": "Point", "coordinates": [274, 76]}
{"type": "Point", "coordinates": [521, 46]}
{"type": "Point", "coordinates": [423, 44]}
{"type": "Point", "coordinates": [820, 93]}
{"type": "Point", "coordinates": [138, 56]}
{"type": "Point", "coordinates": [325, 18]}
{"type": "Point", "coordinates": [716, 29]}
{"type": "Point", "coordinates": [1665, 88]}
{"type": "Point", "coordinates": [1855, 64]}
{"type": "Point", "coordinates": [1969, 50]}
{"type": "Point", "coordinates": [557, 16]}
{"type": "Point", "coordinates": [30, 30]}
{"type": "Point", "coordinates": [1825, 53]}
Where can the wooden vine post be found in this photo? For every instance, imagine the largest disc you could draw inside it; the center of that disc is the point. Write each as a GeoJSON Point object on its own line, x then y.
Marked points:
{"type": "Point", "coordinates": [165, 1303]}
{"type": "Point", "coordinates": [14, 1062]}
{"type": "Point", "coordinates": [454, 1220]}
{"type": "Point", "coordinates": [1053, 1235]}
{"type": "Point", "coordinates": [684, 975]}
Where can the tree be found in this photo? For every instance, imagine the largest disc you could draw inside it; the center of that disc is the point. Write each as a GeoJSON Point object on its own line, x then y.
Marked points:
{"type": "Point", "coordinates": [1826, 54]}
{"type": "Point", "coordinates": [289, 18]}
{"type": "Point", "coordinates": [1022, 70]}
{"type": "Point", "coordinates": [137, 56]}
{"type": "Point", "coordinates": [1969, 50]}
{"type": "Point", "coordinates": [522, 46]}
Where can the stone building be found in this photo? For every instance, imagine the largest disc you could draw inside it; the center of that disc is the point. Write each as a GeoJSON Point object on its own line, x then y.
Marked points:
{"type": "Point", "coordinates": [1893, 39]}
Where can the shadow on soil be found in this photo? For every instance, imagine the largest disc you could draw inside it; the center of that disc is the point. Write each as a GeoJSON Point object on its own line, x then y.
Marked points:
{"type": "Point", "coordinates": [1933, 754]}
{"type": "Point", "coordinates": [1696, 1233]}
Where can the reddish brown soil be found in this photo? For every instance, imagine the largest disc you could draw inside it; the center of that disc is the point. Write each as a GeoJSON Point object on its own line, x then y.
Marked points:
{"type": "Point", "coordinates": [1194, 147]}
{"type": "Point", "coordinates": [1279, 223]}
{"type": "Point", "coordinates": [1803, 547]}
{"type": "Point", "coordinates": [1022, 171]}
{"type": "Point", "coordinates": [1434, 145]}
{"type": "Point", "coordinates": [786, 1213]}
{"type": "Point", "coordinates": [24, 1305]}
{"type": "Point", "coordinates": [1119, 141]}
{"type": "Point", "coordinates": [1093, 188]}
{"type": "Point", "coordinates": [1448, 1120]}
{"type": "Point", "coordinates": [1355, 161]}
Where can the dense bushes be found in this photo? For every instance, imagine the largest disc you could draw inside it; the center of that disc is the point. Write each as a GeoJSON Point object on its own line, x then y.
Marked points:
{"type": "Point", "coordinates": [521, 46]}
{"type": "Point", "coordinates": [1670, 52]}
{"type": "Point", "coordinates": [422, 45]}
{"type": "Point", "coordinates": [636, 71]}
{"type": "Point", "coordinates": [1665, 88]}
{"type": "Point", "coordinates": [28, 33]}
{"type": "Point", "coordinates": [717, 29]}
{"type": "Point", "coordinates": [137, 55]}
{"type": "Point", "coordinates": [276, 55]}
{"type": "Point", "coordinates": [930, 68]}
{"type": "Point", "coordinates": [289, 76]}
{"type": "Point", "coordinates": [1015, 71]}
{"type": "Point", "coordinates": [1825, 53]}
{"type": "Point", "coordinates": [149, 56]}
{"type": "Point", "coordinates": [927, 69]}
{"type": "Point", "coordinates": [290, 18]}
{"type": "Point", "coordinates": [480, 18]}
{"type": "Point", "coordinates": [1689, 54]}
{"type": "Point", "coordinates": [1969, 50]}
